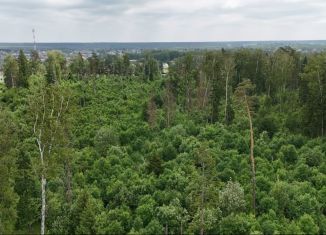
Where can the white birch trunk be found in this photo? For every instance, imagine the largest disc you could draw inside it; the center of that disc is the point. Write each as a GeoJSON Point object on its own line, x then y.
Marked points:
{"type": "Point", "coordinates": [43, 185]}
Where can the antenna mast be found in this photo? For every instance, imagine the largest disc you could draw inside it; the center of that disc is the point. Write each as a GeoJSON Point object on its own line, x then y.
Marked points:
{"type": "Point", "coordinates": [33, 31]}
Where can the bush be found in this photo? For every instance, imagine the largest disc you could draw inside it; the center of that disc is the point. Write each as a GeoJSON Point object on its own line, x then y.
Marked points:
{"type": "Point", "coordinates": [238, 224]}
{"type": "Point", "coordinates": [232, 198]}
{"type": "Point", "coordinates": [313, 157]}
{"type": "Point", "coordinates": [288, 154]}
{"type": "Point", "coordinates": [105, 138]}
{"type": "Point", "coordinates": [307, 224]}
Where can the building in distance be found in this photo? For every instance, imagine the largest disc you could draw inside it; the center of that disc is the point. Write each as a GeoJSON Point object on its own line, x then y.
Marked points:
{"type": "Point", "coordinates": [165, 68]}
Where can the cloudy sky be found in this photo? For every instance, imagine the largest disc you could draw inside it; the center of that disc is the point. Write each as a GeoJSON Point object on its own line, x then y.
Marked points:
{"type": "Point", "coordinates": [161, 20]}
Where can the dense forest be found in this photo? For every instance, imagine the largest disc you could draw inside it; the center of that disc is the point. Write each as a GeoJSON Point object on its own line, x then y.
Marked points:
{"type": "Point", "coordinates": [228, 142]}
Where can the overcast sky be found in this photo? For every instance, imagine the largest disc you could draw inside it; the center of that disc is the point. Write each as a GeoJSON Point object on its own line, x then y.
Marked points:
{"type": "Point", "coordinates": [161, 20]}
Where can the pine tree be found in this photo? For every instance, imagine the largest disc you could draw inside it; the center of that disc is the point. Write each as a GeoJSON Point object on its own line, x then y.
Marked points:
{"type": "Point", "coordinates": [244, 96]}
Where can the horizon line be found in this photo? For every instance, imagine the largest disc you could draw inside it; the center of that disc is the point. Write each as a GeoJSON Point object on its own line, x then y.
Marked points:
{"type": "Point", "coordinates": [229, 41]}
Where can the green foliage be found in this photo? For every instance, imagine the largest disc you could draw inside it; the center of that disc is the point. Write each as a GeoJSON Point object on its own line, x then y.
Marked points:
{"type": "Point", "coordinates": [312, 157]}
{"type": "Point", "coordinates": [55, 66]}
{"type": "Point", "coordinates": [288, 154]}
{"type": "Point", "coordinates": [151, 68]}
{"type": "Point", "coordinates": [78, 66]}
{"type": "Point", "coordinates": [8, 197]}
{"type": "Point", "coordinates": [182, 169]}
{"type": "Point", "coordinates": [313, 80]}
{"type": "Point", "coordinates": [24, 70]}
{"type": "Point", "coordinates": [292, 228]}
{"type": "Point", "coordinates": [232, 198]}
{"type": "Point", "coordinates": [104, 139]}
{"type": "Point", "coordinates": [116, 221]}
{"type": "Point", "coordinates": [238, 224]}
{"type": "Point", "coordinates": [307, 225]}
{"type": "Point", "coordinates": [10, 70]}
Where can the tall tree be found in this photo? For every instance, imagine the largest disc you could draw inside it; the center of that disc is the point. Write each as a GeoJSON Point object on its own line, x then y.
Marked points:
{"type": "Point", "coordinates": [214, 72]}
{"type": "Point", "coordinates": [126, 64]}
{"type": "Point", "coordinates": [26, 188]}
{"type": "Point", "coordinates": [55, 66]}
{"type": "Point", "coordinates": [77, 66]}
{"type": "Point", "coordinates": [151, 68]}
{"type": "Point", "coordinates": [23, 69]}
{"type": "Point", "coordinates": [8, 197]}
{"type": "Point", "coordinates": [151, 112]}
{"type": "Point", "coordinates": [10, 68]}
{"type": "Point", "coordinates": [250, 63]}
{"type": "Point", "coordinates": [48, 105]}
{"type": "Point", "coordinates": [244, 95]}
{"type": "Point", "coordinates": [205, 78]}
{"type": "Point", "coordinates": [228, 73]}
{"type": "Point", "coordinates": [202, 195]}
{"type": "Point", "coordinates": [94, 64]}
{"type": "Point", "coordinates": [313, 87]}
{"type": "Point", "coordinates": [35, 62]}
{"type": "Point", "coordinates": [169, 103]}
{"type": "Point", "coordinates": [284, 66]}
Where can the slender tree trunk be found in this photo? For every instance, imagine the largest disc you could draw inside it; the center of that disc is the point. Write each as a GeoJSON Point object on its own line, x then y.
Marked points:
{"type": "Point", "coordinates": [168, 118]}
{"type": "Point", "coordinates": [202, 222]}
{"type": "Point", "coordinates": [181, 228]}
{"type": "Point", "coordinates": [206, 91]}
{"type": "Point", "coordinates": [12, 80]}
{"type": "Point", "coordinates": [226, 96]}
{"type": "Point", "coordinates": [252, 159]}
{"type": "Point", "coordinates": [322, 123]}
{"type": "Point", "coordinates": [166, 229]}
{"type": "Point", "coordinates": [43, 190]}
{"type": "Point", "coordinates": [168, 106]}
{"type": "Point", "coordinates": [68, 182]}
{"type": "Point", "coordinates": [213, 80]}
{"type": "Point", "coordinates": [269, 90]}
{"type": "Point", "coordinates": [202, 202]}
{"type": "Point", "coordinates": [43, 185]}
{"type": "Point", "coordinates": [321, 103]}
{"type": "Point", "coordinates": [188, 96]}
{"type": "Point", "coordinates": [43, 179]}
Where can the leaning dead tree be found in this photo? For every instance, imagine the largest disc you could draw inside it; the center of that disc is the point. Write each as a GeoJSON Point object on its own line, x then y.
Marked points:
{"type": "Point", "coordinates": [48, 104]}
{"type": "Point", "coordinates": [244, 97]}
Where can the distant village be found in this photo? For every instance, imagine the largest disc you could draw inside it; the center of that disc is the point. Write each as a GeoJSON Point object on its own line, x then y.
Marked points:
{"type": "Point", "coordinates": [86, 51]}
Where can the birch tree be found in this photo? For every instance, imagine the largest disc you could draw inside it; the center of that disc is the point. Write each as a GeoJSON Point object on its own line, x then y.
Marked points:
{"type": "Point", "coordinates": [48, 106]}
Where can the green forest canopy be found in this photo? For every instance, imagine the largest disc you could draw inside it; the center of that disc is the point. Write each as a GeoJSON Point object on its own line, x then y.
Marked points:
{"type": "Point", "coordinates": [118, 148]}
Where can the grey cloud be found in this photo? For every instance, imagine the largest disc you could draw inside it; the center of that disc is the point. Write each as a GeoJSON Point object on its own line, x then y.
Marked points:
{"type": "Point", "coordinates": [160, 20]}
